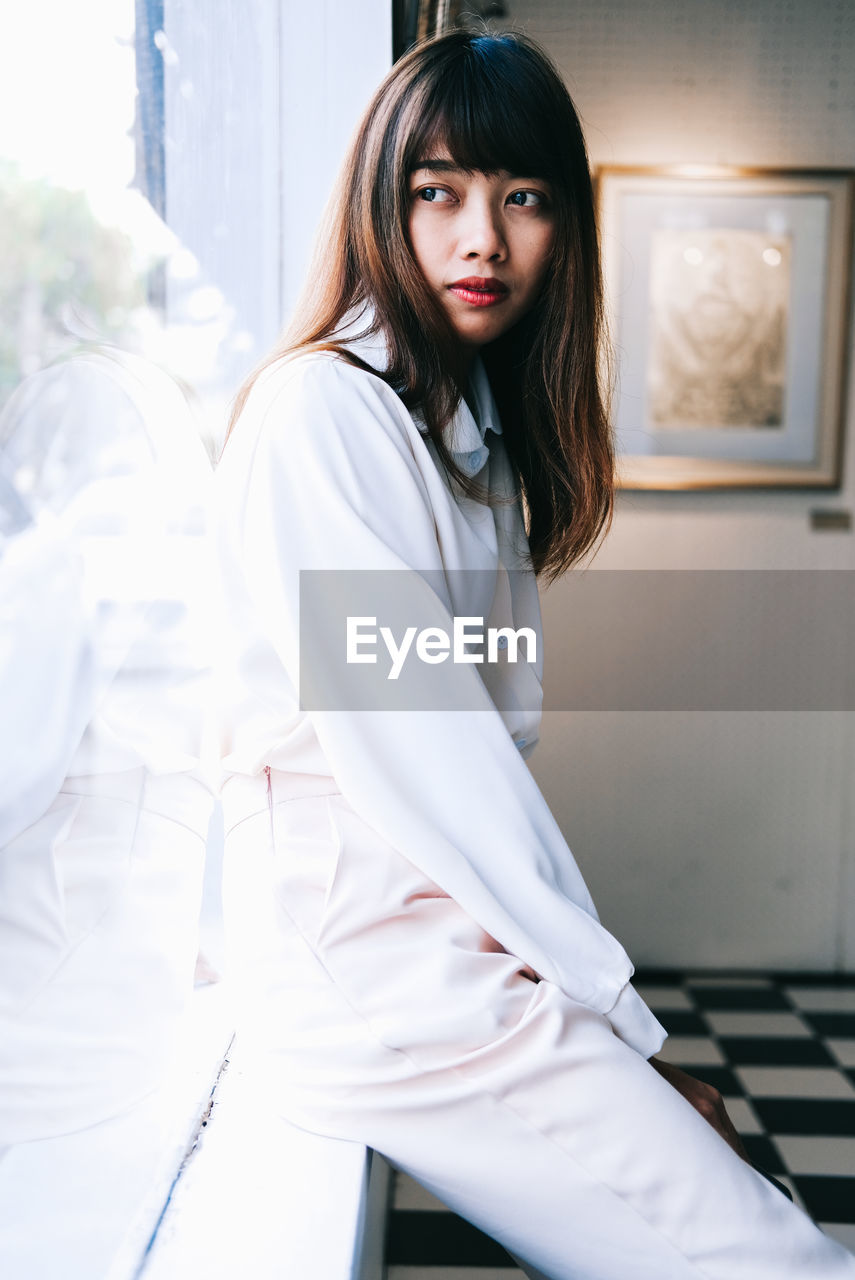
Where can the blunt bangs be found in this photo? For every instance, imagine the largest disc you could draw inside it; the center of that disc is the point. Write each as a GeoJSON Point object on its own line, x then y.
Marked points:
{"type": "Point", "coordinates": [490, 105]}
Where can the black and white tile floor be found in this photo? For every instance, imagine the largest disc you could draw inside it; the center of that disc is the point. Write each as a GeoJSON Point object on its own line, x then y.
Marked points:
{"type": "Point", "coordinates": [781, 1049]}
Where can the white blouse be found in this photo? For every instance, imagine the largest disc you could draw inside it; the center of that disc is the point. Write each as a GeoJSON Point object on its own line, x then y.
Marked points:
{"type": "Point", "coordinates": [328, 470]}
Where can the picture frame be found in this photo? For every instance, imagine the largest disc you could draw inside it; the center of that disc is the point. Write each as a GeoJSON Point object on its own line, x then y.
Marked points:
{"type": "Point", "coordinates": [728, 297]}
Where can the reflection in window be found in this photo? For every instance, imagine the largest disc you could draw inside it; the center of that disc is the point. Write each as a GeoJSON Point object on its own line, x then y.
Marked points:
{"type": "Point", "coordinates": [86, 255]}
{"type": "Point", "coordinates": [76, 242]}
{"type": "Point", "coordinates": [105, 799]}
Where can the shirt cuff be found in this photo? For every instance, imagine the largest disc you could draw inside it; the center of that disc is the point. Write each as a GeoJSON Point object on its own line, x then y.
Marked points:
{"type": "Point", "coordinates": [633, 1022]}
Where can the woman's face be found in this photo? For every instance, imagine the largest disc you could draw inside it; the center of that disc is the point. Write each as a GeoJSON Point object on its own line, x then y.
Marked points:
{"type": "Point", "coordinates": [483, 242]}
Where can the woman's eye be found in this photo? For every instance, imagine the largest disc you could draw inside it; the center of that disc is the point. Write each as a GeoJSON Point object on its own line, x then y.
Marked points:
{"type": "Point", "coordinates": [527, 198]}
{"type": "Point", "coordinates": [434, 195]}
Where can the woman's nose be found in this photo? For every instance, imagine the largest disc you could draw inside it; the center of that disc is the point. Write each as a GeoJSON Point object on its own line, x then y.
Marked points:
{"type": "Point", "coordinates": [481, 234]}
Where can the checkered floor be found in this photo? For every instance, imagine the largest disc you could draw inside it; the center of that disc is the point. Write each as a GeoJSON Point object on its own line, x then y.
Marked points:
{"type": "Point", "coordinates": [781, 1049]}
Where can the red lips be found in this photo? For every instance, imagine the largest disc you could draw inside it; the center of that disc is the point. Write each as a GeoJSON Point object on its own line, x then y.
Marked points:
{"type": "Point", "coordinates": [486, 284]}
{"type": "Point", "coordinates": [479, 291]}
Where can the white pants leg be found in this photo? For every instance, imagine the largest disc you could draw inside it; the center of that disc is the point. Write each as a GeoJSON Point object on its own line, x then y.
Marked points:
{"type": "Point", "coordinates": [384, 1014]}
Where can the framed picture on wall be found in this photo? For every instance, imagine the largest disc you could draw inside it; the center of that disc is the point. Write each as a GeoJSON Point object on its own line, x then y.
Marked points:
{"type": "Point", "coordinates": [728, 299]}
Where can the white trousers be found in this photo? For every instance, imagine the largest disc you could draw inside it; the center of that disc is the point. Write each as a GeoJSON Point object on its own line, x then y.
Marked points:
{"type": "Point", "coordinates": [382, 1013]}
{"type": "Point", "coordinates": [99, 901]}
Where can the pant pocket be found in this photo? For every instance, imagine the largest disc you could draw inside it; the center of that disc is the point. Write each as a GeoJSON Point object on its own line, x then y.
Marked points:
{"type": "Point", "coordinates": [306, 851]}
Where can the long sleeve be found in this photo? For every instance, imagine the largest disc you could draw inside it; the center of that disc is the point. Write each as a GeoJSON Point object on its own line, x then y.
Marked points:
{"type": "Point", "coordinates": [334, 477]}
{"type": "Point", "coordinates": [47, 684]}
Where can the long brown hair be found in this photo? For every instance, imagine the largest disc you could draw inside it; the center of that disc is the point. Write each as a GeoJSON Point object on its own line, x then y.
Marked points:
{"type": "Point", "coordinates": [495, 102]}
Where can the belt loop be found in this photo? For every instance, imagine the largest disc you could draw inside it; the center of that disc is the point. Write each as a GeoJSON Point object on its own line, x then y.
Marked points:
{"type": "Point", "coordinates": [270, 811]}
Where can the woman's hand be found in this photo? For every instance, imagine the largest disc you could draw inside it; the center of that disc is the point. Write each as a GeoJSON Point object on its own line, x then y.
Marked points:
{"type": "Point", "coordinates": [706, 1100]}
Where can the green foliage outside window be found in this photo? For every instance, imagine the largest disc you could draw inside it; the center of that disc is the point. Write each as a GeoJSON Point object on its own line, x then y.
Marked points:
{"type": "Point", "coordinates": [63, 276]}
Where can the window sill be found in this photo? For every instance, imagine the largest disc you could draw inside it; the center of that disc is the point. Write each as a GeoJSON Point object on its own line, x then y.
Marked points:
{"type": "Point", "coordinates": [196, 1180]}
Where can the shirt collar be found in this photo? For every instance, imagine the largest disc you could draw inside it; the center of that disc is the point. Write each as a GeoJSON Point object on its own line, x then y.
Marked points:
{"type": "Point", "coordinates": [467, 431]}
{"type": "Point", "coordinates": [465, 435]}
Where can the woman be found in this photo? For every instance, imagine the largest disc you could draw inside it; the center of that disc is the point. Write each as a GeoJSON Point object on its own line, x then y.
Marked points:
{"type": "Point", "coordinates": [424, 968]}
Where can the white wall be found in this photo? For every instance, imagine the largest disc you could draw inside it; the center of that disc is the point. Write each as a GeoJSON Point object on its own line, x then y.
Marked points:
{"type": "Point", "coordinates": [221, 71]}
{"type": "Point", "coordinates": [260, 101]}
{"type": "Point", "coordinates": [334, 55]}
{"type": "Point", "coordinates": [719, 838]}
